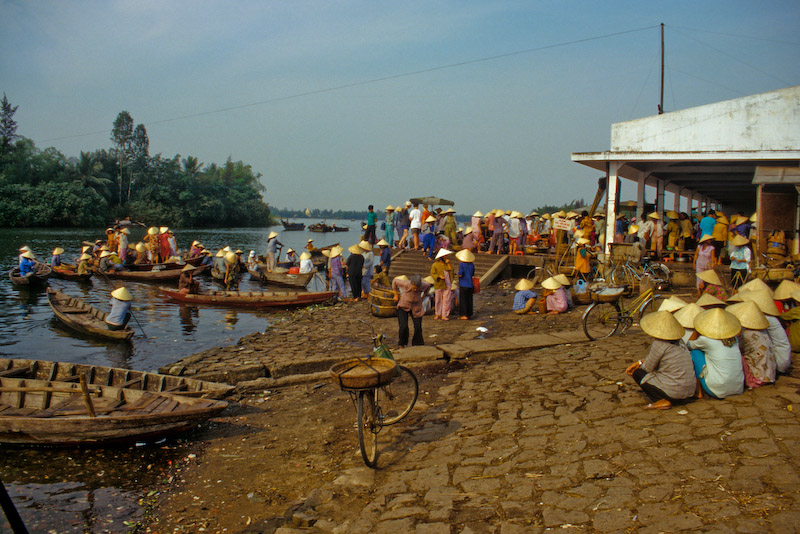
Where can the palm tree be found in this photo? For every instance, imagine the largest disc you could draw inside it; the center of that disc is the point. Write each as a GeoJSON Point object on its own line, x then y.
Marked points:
{"type": "Point", "coordinates": [191, 166]}
{"type": "Point", "coordinates": [91, 174]}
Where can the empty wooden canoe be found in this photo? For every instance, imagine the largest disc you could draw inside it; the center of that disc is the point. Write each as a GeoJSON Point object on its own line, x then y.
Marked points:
{"type": "Point", "coordinates": [43, 412]}
{"type": "Point", "coordinates": [251, 299]}
{"type": "Point", "coordinates": [112, 376]}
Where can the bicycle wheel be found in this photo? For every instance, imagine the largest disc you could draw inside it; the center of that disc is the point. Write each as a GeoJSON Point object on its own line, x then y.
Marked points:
{"type": "Point", "coordinates": [368, 427]}
{"type": "Point", "coordinates": [400, 396]}
{"type": "Point", "coordinates": [620, 275]}
{"type": "Point", "coordinates": [601, 320]}
{"type": "Point", "coordinates": [647, 307]}
{"type": "Point", "coordinates": [660, 271]}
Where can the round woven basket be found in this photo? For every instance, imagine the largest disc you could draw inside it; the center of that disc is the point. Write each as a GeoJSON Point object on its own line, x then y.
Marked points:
{"type": "Point", "coordinates": [364, 374]}
{"type": "Point", "coordinates": [383, 311]}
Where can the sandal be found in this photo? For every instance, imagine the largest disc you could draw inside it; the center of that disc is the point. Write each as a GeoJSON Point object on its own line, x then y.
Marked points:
{"type": "Point", "coordinates": [661, 404]}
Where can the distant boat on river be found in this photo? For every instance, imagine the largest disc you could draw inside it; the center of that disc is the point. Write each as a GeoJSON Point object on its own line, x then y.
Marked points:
{"type": "Point", "coordinates": [287, 225]}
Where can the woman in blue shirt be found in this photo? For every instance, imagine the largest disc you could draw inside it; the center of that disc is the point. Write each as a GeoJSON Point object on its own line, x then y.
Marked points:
{"type": "Point", "coordinates": [466, 270]}
{"type": "Point", "coordinates": [120, 314]}
{"type": "Point", "coordinates": [524, 299]}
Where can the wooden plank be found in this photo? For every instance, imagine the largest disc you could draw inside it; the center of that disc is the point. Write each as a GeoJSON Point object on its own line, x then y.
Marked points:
{"type": "Point", "coordinates": [494, 271]}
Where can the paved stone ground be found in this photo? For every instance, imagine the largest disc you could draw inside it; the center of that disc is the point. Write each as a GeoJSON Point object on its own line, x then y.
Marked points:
{"type": "Point", "coordinates": [557, 440]}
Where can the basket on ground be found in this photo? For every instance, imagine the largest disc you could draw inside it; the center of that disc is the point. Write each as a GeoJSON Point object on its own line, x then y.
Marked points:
{"type": "Point", "coordinates": [366, 373]}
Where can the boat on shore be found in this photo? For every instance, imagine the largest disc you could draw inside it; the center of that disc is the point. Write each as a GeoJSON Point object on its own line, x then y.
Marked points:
{"type": "Point", "coordinates": [280, 276]}
{"type": "Point", "coordinates": [112, 376]}
{"type": "Point", "coordinates": [84, 318]}
{"type": "Point", "coordinates": [37, 278]}
{"type": "Point", "coordinates": [56, 413]}
{"type": "Point", "coordinates": [250, 299]}
{"type": "Point", "coordinates": [291, 226]}
{"type": "Point", "coordinates": [67, 271]}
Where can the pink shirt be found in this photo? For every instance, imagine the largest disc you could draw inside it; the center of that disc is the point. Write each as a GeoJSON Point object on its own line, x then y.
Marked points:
{"type": "Point", "coordinates": [557, 301]}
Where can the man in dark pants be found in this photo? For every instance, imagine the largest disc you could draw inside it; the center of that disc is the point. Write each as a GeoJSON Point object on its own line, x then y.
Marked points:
{"type": "Point", "coordinates": [372, 219]}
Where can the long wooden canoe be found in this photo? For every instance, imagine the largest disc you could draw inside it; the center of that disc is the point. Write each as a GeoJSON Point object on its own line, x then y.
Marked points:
{"type": "Point", "coordinates": [280, 277]}
{"type": "Point", "coordinates": [250, 299]}
{"type": "Point", "coordinates": [41, 272]}
{"type": "Point", "coordinates": [43, 412]}
{"type": "Point", "coordinates": [196, 261]}
{"type": "Point", "coordinates": [84, 318]}
{"type": "Point", "coordinates": [68, 272]}
{"type": "Point", "coordinates": [152, 275]}
{"type": "Point", "coordinates": [112, 376]}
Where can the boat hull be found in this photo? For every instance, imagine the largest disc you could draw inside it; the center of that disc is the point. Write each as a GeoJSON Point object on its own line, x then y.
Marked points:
{"type": "Point", "coordinates": [84, 318]}
{"type": "Point", "coordinates": [250, 299]}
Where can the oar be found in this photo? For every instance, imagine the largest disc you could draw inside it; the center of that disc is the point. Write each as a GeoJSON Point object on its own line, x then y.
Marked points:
{"type": "Point", "coordinates": [14, 520]}
{"type": "Point", "coordinates": [114, 285]}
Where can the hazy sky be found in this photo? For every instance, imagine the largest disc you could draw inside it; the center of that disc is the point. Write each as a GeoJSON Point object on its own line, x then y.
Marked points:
{"type": "Point", "coordinates": [339, 104]}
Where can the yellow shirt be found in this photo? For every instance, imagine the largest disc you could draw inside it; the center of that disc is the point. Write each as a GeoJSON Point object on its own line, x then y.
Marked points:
{"type": "Point", "coordinates": [720, 232]}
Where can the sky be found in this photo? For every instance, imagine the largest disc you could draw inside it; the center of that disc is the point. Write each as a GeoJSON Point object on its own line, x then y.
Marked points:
{"type": "Point", "coordinates": [341, 104]}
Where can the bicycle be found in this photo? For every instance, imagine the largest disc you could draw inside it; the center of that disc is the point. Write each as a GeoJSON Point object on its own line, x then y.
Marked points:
{"type": "Point", "coordinates": [631, 273]}
{"type": "Point", "coordinates": [606, 317]}
{"type": "Point", "coordinates": [383, 391]}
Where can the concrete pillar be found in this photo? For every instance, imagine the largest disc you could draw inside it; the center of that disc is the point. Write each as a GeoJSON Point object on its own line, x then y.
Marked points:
{"type": "Point", "coordinates": [660, 199]}
{"type": "Point", "coordinates": [640, 197]}
{"type": "Point", "coordinates": [612, 202]}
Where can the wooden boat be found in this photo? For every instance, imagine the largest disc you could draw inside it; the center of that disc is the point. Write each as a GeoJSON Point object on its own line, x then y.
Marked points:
{"type": "Point", "coordinates": [152, 275]}
{"type": "Point", "coordinates": [165, 265]}
{"type": "Point", "coordinates": [112, 376]}
{"type": "Point", "coordinates": [340, 228]}
{"type": "Point", "coordinates": [280, 277]}
{"type": "Point", "coordinates": [250, 299]}
{"type": "Point", "coordinates": [44, 412]}
{"type": "Point", "coordinates": [320, 227]}
{"type": "Point", "coordinates": [67, 271]}
{"type": "Point", "coordinates": [41, 272]}
{"type": "Point", "coordinates": [292, 225]}
{"type": "Point", "coordinates": [84, 318]}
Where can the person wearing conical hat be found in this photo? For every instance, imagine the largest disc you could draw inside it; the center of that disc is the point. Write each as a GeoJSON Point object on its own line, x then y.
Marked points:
{"type": "Point", "coordinates": [120, 314]}
{"type": "Point", "coordinates": [554, 297]}
{"type": "Point", "coordinates": [389, 224]}
{"type": "Point", "coordinates": [466, 287]}
{"type": "Point", "coordinates": [758, 359]}
{"type": "Point", "coordinates": [408, 293]}
{"type": "Point", "coordinates": [291, 256]}
{"type": "Point", "coordinates": [686, 240]}
{"type": "Point", "coordinates": [715, 353]}
{"type": "Point", "coordinates": [620, 228]}
{"type": "Point", "coordinates": [673, 230]}
{"type": "Point", "coordinates": [195, 250]}
{"type": "Point", "coordinates": [164, 248]}
{"type": "Point", "coordinates": [525, 298]}
{"type": "Point", "coordinates": [368, 267]}
{"type": "Point", "coordinates": [271, 254]}
{"type": "Point", "coordinates": [122, 244]}
{"type": "Point", "coordinates": [355, 266]}
{"type": "Point", "coordinates": [151, 241]}
{"type": "Point", "coordinates": [781, 347]}
{"type": "Point", "coordinates": [187, 283]}
{"type": "Point", "coordinates": [783, 295]}
{"type": "Point", "coordinates": [232, 270]}
{"type": "Point", "coordinates": [444, 281]}
{"type": "Point", "coordinates": [385, 259]}
{"type": "Point", "coordinates": [720, 233]}
{"type": "Point", "coordinates": [141, 254]}
{"type": "Point", "coordinates": [498, 233]}
{"type": "Point", "coordinates": [685, 317]}
{"type": "Point", "coordinates": [335, 271]}
{"type": "Point", "coordinates": [475, 224]}
{"type": "Point", "coordinates": [666, 375]}
{"type": "Point", "coordinates": [55, 260]}
{"type": "Point", "coordinates": [583, 258]}
{"type": "Point", "coordinates": [514, 233]}
{"type": "Point", "coordinates": [428, 236]}
{"type": "Point", "coordinates": [306, 265]}
{"type": "Point", "coordinates": [449, 225]}
{"type": "Point", "coordinates": [402, 223]}
{"type": "Point", "coordinates": [83, 264]}
{"type": "Point", "coordinates": [704, 258]}
{"type": "Point", "coordinates": [27, 263]}
{"type": "Point", "coordinates": [740, 260]}
{"type": "Point", "coordinates": [711, 284]}
{"type": "Point", "coordinates": [672, 304]}
{"type": "Point", "coordinates": [791, 318]}
{"type": "Point", "coordinates": [470, 240]}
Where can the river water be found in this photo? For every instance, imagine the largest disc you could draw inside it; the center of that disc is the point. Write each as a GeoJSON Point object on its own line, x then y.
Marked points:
{"type": "Point", "coordinates": [95, 490]}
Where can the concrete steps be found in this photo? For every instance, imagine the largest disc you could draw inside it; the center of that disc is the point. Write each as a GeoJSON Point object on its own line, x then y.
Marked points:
{"type": "Point", "coordinates": [408, 262]}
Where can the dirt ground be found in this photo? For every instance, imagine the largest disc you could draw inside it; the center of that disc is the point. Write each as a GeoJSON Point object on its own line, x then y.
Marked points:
{"type": "Point", "coordinates": [553, 439]}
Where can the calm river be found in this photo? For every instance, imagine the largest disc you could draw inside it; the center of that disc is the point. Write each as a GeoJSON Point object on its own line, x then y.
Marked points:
{"type": "Point", "coordinates": [97, 489]}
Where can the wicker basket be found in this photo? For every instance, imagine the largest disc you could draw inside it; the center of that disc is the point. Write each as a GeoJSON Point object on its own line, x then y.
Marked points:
{"type": "Point", "coordinates": [364, 374]}
{"type": "Point", "coordinates": [581, 298]}
{"type": "Point", "coordinates": [382, 311]}
{"type": "Point", "coordinates": [608, 294]}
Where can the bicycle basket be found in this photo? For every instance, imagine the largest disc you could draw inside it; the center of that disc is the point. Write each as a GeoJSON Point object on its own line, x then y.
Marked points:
{"type": "Point", "coordinates": [608, 294]}
{"type": "Point", "coordinates": [358, 373]}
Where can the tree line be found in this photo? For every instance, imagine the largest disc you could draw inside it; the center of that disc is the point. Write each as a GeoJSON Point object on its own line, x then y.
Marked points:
{"type": "Point", "coordinates": [46, 188]}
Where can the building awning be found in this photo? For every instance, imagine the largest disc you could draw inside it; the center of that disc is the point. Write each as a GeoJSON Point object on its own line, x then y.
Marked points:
{"type": "Point", "coordinates": [777, 175]}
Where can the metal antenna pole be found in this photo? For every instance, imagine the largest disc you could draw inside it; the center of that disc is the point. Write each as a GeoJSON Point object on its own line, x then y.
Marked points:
{"type": "Point", "coordinates": [661, 100]}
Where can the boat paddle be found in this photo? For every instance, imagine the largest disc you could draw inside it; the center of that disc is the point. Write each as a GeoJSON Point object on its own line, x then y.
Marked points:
{"type": "Point", "coordinates": [14, 520]}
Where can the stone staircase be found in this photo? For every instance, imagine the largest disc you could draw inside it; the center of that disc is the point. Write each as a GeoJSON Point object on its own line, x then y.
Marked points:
{"type": "Point", "coordinates": [408, 262]}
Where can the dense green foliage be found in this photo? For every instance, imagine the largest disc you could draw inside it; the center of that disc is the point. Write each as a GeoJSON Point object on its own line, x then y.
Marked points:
{"type": "Point", "coordinates": [45, 188]}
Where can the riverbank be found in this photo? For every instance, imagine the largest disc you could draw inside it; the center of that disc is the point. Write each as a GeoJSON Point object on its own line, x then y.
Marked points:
{"type": "Point", "coordinates": [514, 441]}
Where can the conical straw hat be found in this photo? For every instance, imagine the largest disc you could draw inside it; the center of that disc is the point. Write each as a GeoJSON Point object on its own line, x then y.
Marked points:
{"type": "Point", "coordinates": [428, 280]}
{"type": "Point", "coordinates": [739, 241]}
{"type": "Point", "coordinates": [443, 252]}
{"type": "Point", "coordinates": [189, 267]}
{"type": "Point", "coordinates": [366, 246]}
{"type": "Point", "coordinates": [477, 214]}
{"type": "Point", "coordinates": [737, 297]}
{"type": "Point", "coordinates": [152, 230]}
{"type": "Point", "coordinates": [59, 250]}
{"type": "Point", "coordinates": [686, 315]}
{"type": "Point", "coordinates": [709, 301]}
{"type": "Point", "coordinates": [632, 229]}
{"type": "Point", "coordinates": [551, 283]}
{"type": "Point", "coordinates": [672, 215]}
{"type": "Point", "coordinates": [662, 325]}
{"type": "Point", "coordinates": [524, 284]}
{"type": "Point", "coordinates": [672, 304]}
{"type": "Point", "coordinates": [272, 235]}
{"type": "Point", "coordinates": [756, 284]}
{"type": "Point", "coordinates": [230, 257]}
{"type": "Point", "coordinates": [354, 249]}
{"type": "Point", "coordinates": [721, 218]}
{"type": "Point", "coordinates": [785, 289]}
{"type": "Point", "coordinates": [85, 256]}
{"type": "Point", "coordinates": [305, 256]}
{"type": "Point", "coordinates": [562, 279]}
{"type": "Point", "coordinates": [336, 251]}
{"type": "Point", "coordinates": [382, 243]}
{"type": "Point", "coordinates": [796, 296]}
{"type": "Point", "coordinates": [465, 256]}
{"type": "Point", "coordinates": [653, 215]}
{"type": "Point", "coordinates": [764, 301]}
{"type": "Point", "coordinates": [710, 276]}
{"type": "Point", "coordinates": [717, 324]}
{"type": "Point", "coordinates": [749, 315]}
{"type": "Point", "coordinates": [122, 293]}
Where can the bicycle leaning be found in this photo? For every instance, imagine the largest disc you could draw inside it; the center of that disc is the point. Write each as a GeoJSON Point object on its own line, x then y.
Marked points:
{"type": "Point", "coordinates": [608, 314]}
{"type": "Point", "coordinates": [383, 391]}
{"type": "Point", "coordinates": [631, 273]}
